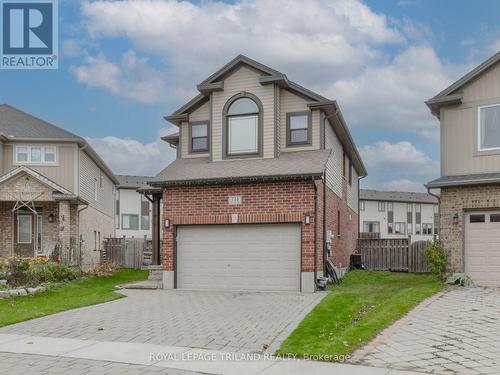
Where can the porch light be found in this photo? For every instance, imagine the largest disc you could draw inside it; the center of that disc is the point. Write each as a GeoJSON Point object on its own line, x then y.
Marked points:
{"type": "Point", "coordinates": [167, 223]}
{"type": "Point", "coordinates": [307, 219]}
{"type": "Point", "coordinates": [455, 219]}
{"type": "Point", "coordinates": [51, 218]}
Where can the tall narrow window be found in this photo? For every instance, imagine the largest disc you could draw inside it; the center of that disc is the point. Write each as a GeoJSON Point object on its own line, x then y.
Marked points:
{"type": "Point", "coordinates": [381, 206]}
{"type": "Point", "coordinates": [489, 127]}
{"type": "Point", "coordinates": [24, 229]}
{"type": "Point", "coordinates": [298, 128]}
{"type": "Point", "coordinates": [361, 205]}
{"type": "Point", "coordinates": [242, 134]}
{"type": "Point", "coordinates": [198, 137]}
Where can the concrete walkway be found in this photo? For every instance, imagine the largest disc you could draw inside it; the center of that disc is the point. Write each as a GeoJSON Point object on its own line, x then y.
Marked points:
{"type": "Point", "coordinates": [52, 355]}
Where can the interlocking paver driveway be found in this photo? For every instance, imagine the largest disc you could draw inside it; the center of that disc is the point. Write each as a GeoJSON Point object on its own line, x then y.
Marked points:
{"type": "Point", "coordinates": [230, 321]}
{"type": "Point", "coordinates": [457, 333]}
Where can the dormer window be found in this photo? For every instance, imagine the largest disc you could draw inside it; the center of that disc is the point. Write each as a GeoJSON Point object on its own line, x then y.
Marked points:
{"type": "Point", "coordinates": [31, 154]}
{"type": "Point", "coordinates": [489, 127]}
{"type": "Point", "coordinates": [298, 125]}
{"type": "Point", "coordinates": [198, 135]}
{"type": "Point", "coordinates": [243, 126]}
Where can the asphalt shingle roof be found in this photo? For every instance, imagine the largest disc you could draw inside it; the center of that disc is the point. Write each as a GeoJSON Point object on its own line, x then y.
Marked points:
{"type": "Point", "coordinates": [396, 196]}
{"type": "Point", "coordinates": [289, 164]}
{"type": "Point", "coordinates": [469, 179]}
{"type": "Point", "coordinates": [19, 124]}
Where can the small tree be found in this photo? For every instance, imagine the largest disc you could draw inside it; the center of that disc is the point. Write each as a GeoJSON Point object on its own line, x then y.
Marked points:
{"type": "Point", "coordinates": [436, 257]}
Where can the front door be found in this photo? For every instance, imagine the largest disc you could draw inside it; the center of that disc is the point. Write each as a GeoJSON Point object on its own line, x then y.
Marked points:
{"type": "Point", "coordinates": [24, 234]}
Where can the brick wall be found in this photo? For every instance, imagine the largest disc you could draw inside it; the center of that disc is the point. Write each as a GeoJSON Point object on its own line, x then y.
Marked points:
{"type": "Point", "coordinates": [457, 200]}
{"type": "Point", "coordinates": [270, 202]}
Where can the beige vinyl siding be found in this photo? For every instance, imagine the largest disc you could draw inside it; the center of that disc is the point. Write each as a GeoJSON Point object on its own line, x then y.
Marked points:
{"type": "Point", "coordinates": [290, 102]}
{"type": "Point", "coordinates": [243, 79]}
{"type": "Point", "coordinates": [334, 164]}
{"type": "Point", "coordinates": [62, 173]}
{"type": "Point", "coordinates": [202, 113]}
{"type": "Point", "coordinates": [1, 159]}
{"type": "Point", "coordinates": [459, 144]}
{"type": "Point", "coordinates": [486, 86]}
{"type": "Point", "coordinates": [352, 191]}
{"type": "Point", "coordinates": [89, 172]}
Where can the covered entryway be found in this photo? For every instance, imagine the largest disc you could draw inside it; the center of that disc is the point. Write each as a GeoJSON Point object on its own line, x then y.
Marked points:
{"type": "Point", "coordinates": [239, 257]}
{"type": "Point", "coordinates": [482, 247]}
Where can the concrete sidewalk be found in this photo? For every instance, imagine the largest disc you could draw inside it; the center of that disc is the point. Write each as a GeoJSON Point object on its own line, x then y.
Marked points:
{"type": "Point", "coordinates": [179, 358]}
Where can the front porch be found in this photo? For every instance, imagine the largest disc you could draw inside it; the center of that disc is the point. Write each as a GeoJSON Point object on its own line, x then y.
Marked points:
{"type": "Point", "coordinates": [37, 217]}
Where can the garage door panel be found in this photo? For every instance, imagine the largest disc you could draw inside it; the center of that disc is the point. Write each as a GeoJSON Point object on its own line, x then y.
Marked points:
{"type": "Point", "coordinates": [482, 252]}
{"type": "Point", "coordinates": [239, 257]}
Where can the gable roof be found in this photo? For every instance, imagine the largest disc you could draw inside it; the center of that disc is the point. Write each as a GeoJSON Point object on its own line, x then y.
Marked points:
{"type": "Point", "coordinates": [396, 196]}
{"type": "Point", "coordinates": [272, 76]}
{"type": "Point", "coordinates": [450, 95]}
{"type": "Point", "coordinates": [44, 180]}
{"type": "Point", "coordinates": [290, 165]}
{"type": "Point", "coordinates": [17, 125]}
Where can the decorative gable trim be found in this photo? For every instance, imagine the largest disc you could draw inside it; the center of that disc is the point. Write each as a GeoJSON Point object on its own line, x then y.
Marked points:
{"type": "Point", "coordinates": [41, 178]}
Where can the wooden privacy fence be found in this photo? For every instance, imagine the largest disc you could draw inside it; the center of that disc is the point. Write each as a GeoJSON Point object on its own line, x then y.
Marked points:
{"type": "Point", "coordinates": [393, 255]}
{"type": "Point", "coordinates": [127, 252]}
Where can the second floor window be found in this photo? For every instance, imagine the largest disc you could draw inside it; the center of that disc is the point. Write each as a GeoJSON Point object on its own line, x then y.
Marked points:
{"type": "Point", "coordinates": [198, 137]}
{"type": "Point", "coordinates": [242, 127]}
{"type": "Point", "coordinates": [381, 206]}
{"type": "Point", "coordinates": [489, 127]}
{"type": "Point", "coordinates": [36, 154]}
{"type": "Point", "coordinates": [298, 128]}
{"type": "Point", "coordinates": [130, 222]}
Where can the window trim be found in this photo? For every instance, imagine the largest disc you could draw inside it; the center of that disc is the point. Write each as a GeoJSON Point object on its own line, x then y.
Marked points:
{"type": "Point", "coordinates": [225, 130]}
{"type": "Point", "coordinates": [190, 137]}
{"type": "Point", "coordinates": [31, 229]}
{"type": "Point", "coordinates": [289, 142]}
{"type": "Point", "coordinates": [381, 204]}
{"type": "Point", "coordinates": [371, 222]}
{"type": "Point", "coordinates": [478, 130]}
{"type": "Point", "coordinates": [138, 222]}
{"type": "Point", "coordinates": [42, 148]}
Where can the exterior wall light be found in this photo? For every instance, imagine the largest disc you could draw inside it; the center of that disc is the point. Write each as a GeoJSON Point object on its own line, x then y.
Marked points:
{"type": "Point", "coordinates": [51, 218]}
{"type": "Point", "coordinates": [167, 223]}
{"type": "Point", "coordinates": [455, 219]}
{"type": "Point", "coordinates": [307, 219]}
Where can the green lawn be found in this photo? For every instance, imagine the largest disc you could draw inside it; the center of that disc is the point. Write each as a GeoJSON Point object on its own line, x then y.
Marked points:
{"type": "Point", "coordinates": [355, 311]}
{"type": "Point", "coordinates": [75, 294]}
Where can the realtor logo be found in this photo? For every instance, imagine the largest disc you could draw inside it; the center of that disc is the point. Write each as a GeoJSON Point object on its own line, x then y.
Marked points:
{"type": "Point", "coordinates": [29, 37]}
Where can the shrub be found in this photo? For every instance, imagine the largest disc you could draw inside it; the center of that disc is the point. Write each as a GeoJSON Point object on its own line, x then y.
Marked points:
{"type": "Point", "coordinates": [437, 259]}
{"type": "Point", "coordinates": [17, 271]}
{"type": "Point", "coordinates": [52, 272]}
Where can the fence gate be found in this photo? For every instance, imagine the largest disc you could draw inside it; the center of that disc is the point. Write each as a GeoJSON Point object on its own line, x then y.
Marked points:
{"type": "Point", "coordinates": [393, 254]}
{"type": "Point", "coordinates": [127, 252]}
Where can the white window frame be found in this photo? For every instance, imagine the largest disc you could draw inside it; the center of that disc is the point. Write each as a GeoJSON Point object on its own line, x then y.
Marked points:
{"type": "Point", "coordinates": [479, 128]}
{"type": "Point", "coordinates": [42, 160]}
{"type": "Point", "coordinates": [138, 221]}
{"type": "Point", "coordinates": [381, 206]}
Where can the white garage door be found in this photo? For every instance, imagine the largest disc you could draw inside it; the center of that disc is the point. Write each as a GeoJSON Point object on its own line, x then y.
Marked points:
{"type": "Point", "coordinates": [482, 251]}
{"type": "Point", "coordinates": [239, 257]}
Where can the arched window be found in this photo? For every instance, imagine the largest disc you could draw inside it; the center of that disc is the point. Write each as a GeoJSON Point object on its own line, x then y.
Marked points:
{"type": "Point", "coordinates": [242, 126]}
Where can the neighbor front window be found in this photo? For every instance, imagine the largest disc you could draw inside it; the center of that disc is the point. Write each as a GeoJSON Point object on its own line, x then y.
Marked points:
{"type": "Point", "coordinates": [381, 206]}
{"type": "Point", "coordinates": [399, 228]}
{"type": "Point", "coordinates": [371, 227]}
{"type": "Point", "coordinates": [36, 154]}
{"type": "Point", "coordinates": [489, 127]}
{"type": "Point", "coordinates": [130, 222]}
{"type": "Point", "coordinates": [299, 128]}
{"type": "Point", "coordinates": [199, 137]}
{"type": "Point", "coordinates": [243, 127]}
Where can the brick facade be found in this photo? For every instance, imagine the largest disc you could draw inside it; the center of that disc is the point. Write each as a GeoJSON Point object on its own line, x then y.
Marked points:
{"type": "Point", "coordinates": [457, 200]}
{"type": "Point", "coordinates": [265, 202]}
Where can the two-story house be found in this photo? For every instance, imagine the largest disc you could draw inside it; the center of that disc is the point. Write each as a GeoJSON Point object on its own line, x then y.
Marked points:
{"type": "Point", "coordinates": [469, 114]}
{"type": "Point", "coordinates": [56, 193]}
{"type": "Point", "coordinates": [399, 214]}
{"type": "Point", "coordinates": [264, 188]}
{"type": "Point", "coordinates": [133, 209]}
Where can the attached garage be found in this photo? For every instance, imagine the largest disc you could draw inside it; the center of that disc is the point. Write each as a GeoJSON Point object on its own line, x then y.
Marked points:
{"type": "Point", "coordinates": [239, 257]}
{"type": "Point", "coordinates": [482, 247]}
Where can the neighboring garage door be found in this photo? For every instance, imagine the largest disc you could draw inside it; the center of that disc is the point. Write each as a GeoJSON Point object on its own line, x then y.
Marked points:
{"type": "Point", "coordinates": [482, 250]}
{"type": "Point", "coordinates": [239, 257]}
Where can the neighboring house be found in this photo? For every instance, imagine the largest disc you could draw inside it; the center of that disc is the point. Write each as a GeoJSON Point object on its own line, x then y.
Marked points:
{"type": "Point", "coordinates": [133, 210]}
{"type": "Point", "coordinates": [469, 113]}
{"type": "Point", "coordinates": [55, 191]}
{"type": "Point", "coordinates": [398, 214]}
{"type": "Point", "coordinates": [244, 200]}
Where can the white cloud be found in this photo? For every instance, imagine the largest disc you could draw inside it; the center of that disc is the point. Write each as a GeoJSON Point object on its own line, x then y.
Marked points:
{"type": "Point", "coordinates": [400, 163]}
{"type": "Point", "coordinates": [404, 185]}
{"type": "Point", "coordinates": [129, 156]}
{"type": "Point", "coordinates": [132, 78]}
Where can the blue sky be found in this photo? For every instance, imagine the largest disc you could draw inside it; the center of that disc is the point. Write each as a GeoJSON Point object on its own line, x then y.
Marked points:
{"type": "Point", "coordinates": [123, 65]}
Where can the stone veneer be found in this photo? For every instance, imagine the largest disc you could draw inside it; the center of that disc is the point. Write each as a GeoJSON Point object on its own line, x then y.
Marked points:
{"type": "Point", "coordinates": [459, 200]}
